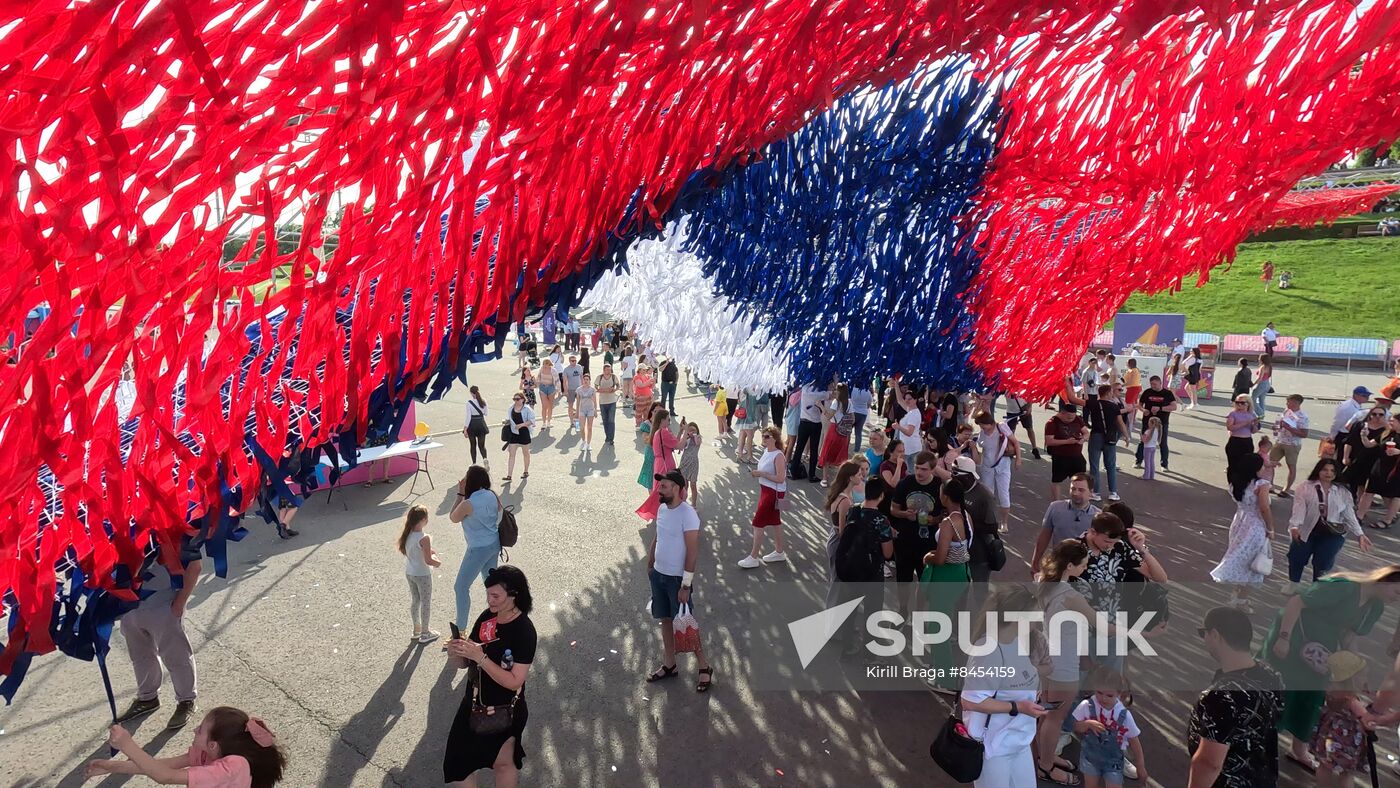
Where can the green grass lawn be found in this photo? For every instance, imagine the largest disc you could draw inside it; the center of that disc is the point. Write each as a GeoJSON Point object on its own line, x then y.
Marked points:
{"type": "Point", "coordinates": [1347, 287]}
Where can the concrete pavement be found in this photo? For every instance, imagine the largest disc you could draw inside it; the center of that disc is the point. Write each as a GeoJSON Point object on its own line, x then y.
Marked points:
{"type": "Point", "coordinates": [311, 633]}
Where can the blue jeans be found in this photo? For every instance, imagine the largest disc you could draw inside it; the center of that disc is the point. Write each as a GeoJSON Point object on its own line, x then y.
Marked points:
{"type": "Point", "coordinates": [609, 411]}
{"type": "Point", "coordinates": [1321, 547]}
{"type": "Point", "coordinates": [475, 564]}
{"type": "Point", "coordinates": [1099, 447]}
{"type": "Point", "coordinates": [668, 396]}
{"type": "Point", "coordinates": [859, 429]}
{"type": "Point", "coordinates": [1259, 393]}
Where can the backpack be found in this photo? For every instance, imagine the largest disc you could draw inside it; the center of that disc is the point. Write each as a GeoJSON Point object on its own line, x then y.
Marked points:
{"type": "Point", "coordinates": [508, 530]}
{"type": "Point", "coordinates": [857, 558]}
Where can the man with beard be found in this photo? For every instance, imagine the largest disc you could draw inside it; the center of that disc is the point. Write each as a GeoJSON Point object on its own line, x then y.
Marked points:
{"type": "Point", "coordinates": [671, 568]}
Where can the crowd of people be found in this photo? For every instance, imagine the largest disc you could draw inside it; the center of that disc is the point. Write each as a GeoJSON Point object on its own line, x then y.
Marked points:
{"type": "Point", "coordinates": [916, 488]}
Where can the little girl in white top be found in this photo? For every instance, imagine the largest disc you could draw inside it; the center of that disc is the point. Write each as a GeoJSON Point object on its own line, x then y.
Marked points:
{"type": "Point", "coordinates": [419, 556]}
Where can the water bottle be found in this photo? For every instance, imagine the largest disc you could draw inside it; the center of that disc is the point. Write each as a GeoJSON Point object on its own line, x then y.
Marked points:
{"type": "Point", "coordinates": [508, 660]}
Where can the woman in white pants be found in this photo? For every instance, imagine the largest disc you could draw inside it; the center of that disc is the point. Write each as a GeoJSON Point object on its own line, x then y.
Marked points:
{"type": "Point", "coordinates": [996, 450]}
{"type": "Point", "coordinates": [999, 697]}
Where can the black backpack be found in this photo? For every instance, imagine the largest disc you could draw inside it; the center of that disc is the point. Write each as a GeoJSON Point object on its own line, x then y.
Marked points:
{"type": "Point", "coordinates": [858, 557]}
{"type": "Point", "coordinates": [507, 530]}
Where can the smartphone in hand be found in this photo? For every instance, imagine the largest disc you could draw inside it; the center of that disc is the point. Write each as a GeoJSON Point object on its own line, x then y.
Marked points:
{"type": "Point", "coordinates": [456, 633]}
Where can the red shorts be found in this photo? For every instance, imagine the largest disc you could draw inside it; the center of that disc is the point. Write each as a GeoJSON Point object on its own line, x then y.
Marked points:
{"type": "Point", "coordinates": [1130, 395]}
{"type": "Point", "coordinates": [767, 513]}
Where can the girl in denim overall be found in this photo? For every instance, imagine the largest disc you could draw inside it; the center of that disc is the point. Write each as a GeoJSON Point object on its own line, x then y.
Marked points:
{"type": "Point", "coordinates": [1106, 728]}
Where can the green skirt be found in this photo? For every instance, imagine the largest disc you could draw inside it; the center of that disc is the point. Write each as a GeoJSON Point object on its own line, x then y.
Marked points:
{"type": "Point", "coordinates": [944, 586]}
{"type": "Point", "coordinates": [648, 475]}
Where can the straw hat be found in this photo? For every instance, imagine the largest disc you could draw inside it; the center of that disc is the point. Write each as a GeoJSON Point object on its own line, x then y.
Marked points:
{"type": "Point", "coordinates": [1345, 665]}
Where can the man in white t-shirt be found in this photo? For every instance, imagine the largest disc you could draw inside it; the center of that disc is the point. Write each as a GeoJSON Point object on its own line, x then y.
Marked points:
{"type": "Point", "coordinates": [860, 409]}
{"type": "Point", "coordinates": [671, 568]}
{"type": "Point", "coordinates": [1289, 432]}
{"type": "Point", "coordinates": [627, 371]}
{"type": "Point", "coordinates": [908, 431]}
{"type": "Point", "coordinates": [809, 430]}
{"type": "Point", "coordinates": [1346, 411]}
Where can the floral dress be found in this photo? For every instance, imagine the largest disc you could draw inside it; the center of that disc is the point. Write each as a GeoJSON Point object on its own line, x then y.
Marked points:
{"type": "Point", "coordinates": [527, 388]}
{"type": "Point", "coordinates": [1248, 537]}
{"type": "Point", "coordinates": [1340, 741]}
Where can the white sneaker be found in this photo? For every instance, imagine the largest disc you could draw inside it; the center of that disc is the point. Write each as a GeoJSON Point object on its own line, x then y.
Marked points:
{"type": "Point", "coordinates": [774, 557]}
{"type": "Point", "coordinates": [749, 562]}
{"type": "Point", "coordinates": [1096, 497]}
{"type": "Point", "coordinates": [1114, 497]}
{"type": "Point", "coordinates": [1129, 770]}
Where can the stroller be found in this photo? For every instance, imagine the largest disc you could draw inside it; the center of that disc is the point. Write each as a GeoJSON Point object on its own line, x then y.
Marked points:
{"type": "Point", "coordinates": [532, 350]}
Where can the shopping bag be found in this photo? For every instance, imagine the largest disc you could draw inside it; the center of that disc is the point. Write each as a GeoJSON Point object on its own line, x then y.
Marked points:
{"type": "Point", "coordinates": [687, 631]}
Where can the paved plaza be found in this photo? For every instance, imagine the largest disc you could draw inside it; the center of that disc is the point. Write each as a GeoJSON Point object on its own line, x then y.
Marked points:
{"type": "Point", "coordinates": [312, 634]}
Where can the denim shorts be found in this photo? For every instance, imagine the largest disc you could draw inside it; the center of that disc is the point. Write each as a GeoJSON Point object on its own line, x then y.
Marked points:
{"type": "Point", "coordinates": [1110, 777]}
{"type": "Point", "coordinates": [664, 589]}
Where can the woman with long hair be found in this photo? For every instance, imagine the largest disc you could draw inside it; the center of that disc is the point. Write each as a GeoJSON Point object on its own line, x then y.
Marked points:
{"type": "Point", "coordinates": [416, 546]}
{"type": "Point", "coordinates": [894, 465]}
{"type": "Point", "coordinates": [520, 419]}
{"type": "Point", "coordinates": [1251, 531]}
{"type": "Point", "coordinates": [501, 645]}
{"type": "Point", "coordinates": [1240, 425]}
{"type": "Point", "coordinates": [1363, 450]}
{"type": "Point", "coordinates": [1263, 384]}
{"type": "Point", "coordinates": [1385, 477]}
{"type": "Point", "coordinates": [586, 400]}
{"type": "Point", "coordinates": [836, 448]}
{"type": "Point", "coordinates": [1061, 564]}
{"type": "Point", "coordinates": [1322, 619]}
{"type": "Point", "coordinates": [750, 415]}
{"type": "Point", "coordinates": [849, 485]}
{"type": "Point", "coordinates": [1323, 515]}
{"type": "Point", "coordinates": [527, 386]}
{"type": "Point", "coordinates": [478, 509]}
{"type": "Point", "coordinates": [548, 380]}
{"type": "Point", "coordinates": [1193, 375]}
{"type": "Point", "coordinates": [664, 443]}
{"type": "Point", "coordinates": [771, 473]}
{"type": "Point", "coordinates": [476, 429]}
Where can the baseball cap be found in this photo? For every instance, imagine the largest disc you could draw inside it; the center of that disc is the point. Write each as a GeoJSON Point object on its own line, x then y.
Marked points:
{"type": "Point", "coordinates": [1362, 390]}
{"type": "Point", "coordinates": [966, 465]}
{"type": "Point", "coordinates": [671, 476]}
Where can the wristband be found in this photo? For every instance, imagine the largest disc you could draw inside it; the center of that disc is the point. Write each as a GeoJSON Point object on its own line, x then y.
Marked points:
{"type": "Point", "coordinates": [687, 578]}
{"type": "Point", "coordinates": [1014, 711]}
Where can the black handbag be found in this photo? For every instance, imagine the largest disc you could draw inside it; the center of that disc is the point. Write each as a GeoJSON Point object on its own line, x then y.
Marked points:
{"type": "Point", "coordinates": [957, 753]}
{"type": "Point", "coordinates": [490, 720]}
{"type": "Point", "coordinates": [995, 550]}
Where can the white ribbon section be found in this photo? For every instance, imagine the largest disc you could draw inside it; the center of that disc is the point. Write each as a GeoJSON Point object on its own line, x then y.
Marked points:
{"type": "Point", "coordinates": [673, 304]}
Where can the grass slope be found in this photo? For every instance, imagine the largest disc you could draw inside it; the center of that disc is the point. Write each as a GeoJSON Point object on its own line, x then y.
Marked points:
{"type": "Point", "coordinates": [1341, 287]}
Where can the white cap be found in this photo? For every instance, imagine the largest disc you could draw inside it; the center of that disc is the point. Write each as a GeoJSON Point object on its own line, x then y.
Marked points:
{"type": "Point", "coordinates": [966, 465]}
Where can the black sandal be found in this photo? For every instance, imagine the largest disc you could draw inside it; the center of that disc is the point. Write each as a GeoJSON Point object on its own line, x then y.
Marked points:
{"type": "Point", "coordinates": [1045, 774]}
{"type": "Point", "coordinates": [1379, 525]}
{"type": "Point", "coordinates": [662, 673]}
{"type": "Point", "coordinates": [707, 677]}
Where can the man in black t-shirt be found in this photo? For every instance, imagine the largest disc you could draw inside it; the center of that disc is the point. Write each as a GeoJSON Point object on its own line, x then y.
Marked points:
{"type": "Point", "coordinates": [1233, 732]}
{"type": "Point", "coordinates": [1157, 401]}
{"type": "Point", "coordinates": [914, 513]}
{"type": "Point", "coordinates": [1106, 426]}
{"type": "Point", "coordinates": [670, 378]}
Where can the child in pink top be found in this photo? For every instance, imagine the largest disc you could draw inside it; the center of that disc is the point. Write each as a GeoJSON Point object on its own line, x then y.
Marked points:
{"type": "Point", "coordinates": [231, 750]}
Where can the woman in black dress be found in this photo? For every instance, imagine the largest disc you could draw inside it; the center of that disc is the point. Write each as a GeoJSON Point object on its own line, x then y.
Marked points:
{"type": "Point", "coordinates": [498, 651]}
{"type": "Point", "coordinates": [1363, 448]}
{"type": "Point", "coordinates": [1385, 477]}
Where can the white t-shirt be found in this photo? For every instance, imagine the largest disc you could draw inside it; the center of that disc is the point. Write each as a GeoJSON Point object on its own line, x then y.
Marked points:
{"type": "Point", "coordinates": [993, 446]}
{"type": "Point", "coordinates": [768, 463]}
{"type": "Point", "coordinates": [860, 401]}
{"type": "Point", "coordinates": [1345, 412]}
{"type": "Point", "coordinates": [1002, 734]}
{"type": "Point", "coordinates": [812, 399]}
{"type": "Point", "coordinates": [672, 523]}
{"type": "Point", "coordinates": [1293, 418]}
{"type": "Point", "coordinates": [629, 367]}
{"type": "Point", "coordinates": [1269, 335]}
{"type": "Point", "coordinates": [913, 444]}
{"type": "Point", "coordinates": [1089, 709]}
